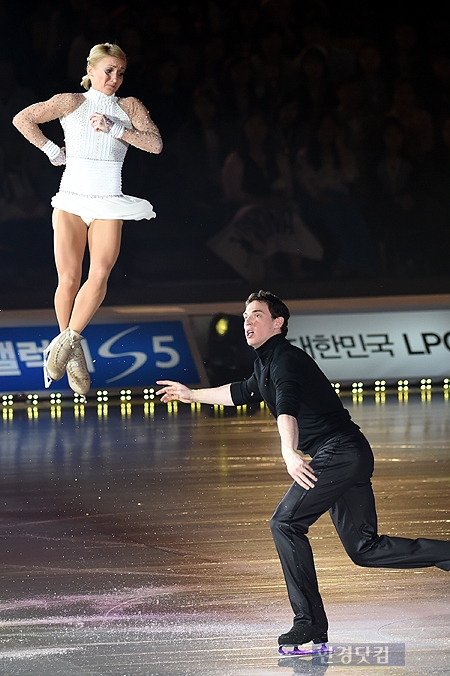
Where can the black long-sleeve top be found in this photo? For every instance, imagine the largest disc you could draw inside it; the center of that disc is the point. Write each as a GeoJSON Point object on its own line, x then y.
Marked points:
{"type": "Point", "coordinates": [291, 382]}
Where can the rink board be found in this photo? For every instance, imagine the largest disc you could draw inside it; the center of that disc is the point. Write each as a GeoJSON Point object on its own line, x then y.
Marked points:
{"type": "Point", "coordinates": [123, 349]}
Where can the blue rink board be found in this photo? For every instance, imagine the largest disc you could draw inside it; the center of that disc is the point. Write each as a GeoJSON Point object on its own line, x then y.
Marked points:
{"type": "Point", "coordinates": [118, 355]}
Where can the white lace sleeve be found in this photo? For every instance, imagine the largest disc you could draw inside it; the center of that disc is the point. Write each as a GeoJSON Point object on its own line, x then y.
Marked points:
{"type": "Point", "coordinates": [145, 134]}
{"type": "Point", "coordinates": [29, 119]}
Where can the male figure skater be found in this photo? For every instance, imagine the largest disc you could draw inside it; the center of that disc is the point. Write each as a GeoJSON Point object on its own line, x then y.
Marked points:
{"type": "Point", "coordinates": [310, 417]}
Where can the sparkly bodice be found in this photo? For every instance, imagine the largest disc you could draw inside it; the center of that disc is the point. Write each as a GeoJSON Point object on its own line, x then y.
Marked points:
{"type": "Point", "coordinates": [81, 140]}
{"type": "Point", "coordinates": [93, 159]}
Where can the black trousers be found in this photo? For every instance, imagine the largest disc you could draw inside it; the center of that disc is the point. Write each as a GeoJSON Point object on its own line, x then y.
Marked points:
{"type": "Point", "coordinates": [343, 467]}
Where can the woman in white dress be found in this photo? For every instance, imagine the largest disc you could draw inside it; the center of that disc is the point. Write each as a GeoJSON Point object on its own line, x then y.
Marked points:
{"type": "Point", "coordinates": [89, 208]}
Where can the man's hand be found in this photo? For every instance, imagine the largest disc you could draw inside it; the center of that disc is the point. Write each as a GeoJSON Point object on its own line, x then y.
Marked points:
{"type": "Point", "coordinates": [174, 392]}
{"type": "Point", "coordinates": [300, 470]}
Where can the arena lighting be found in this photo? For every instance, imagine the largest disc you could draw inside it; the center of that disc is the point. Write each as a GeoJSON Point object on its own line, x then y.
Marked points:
{"type": "Point", "coordinates": [8, 413]}
{"type": "Point", "coordinates": [33, 412]}
{"type": "Point", "coordinates": [357, 388]}
{"type": "Point", "coordinates": [125, 409]}
{"type": "Point", "coordinates": [78, 410]}
{"type": "Point", "coordinates": [149, 409]}
{"type": "Point", "coordinates": [357, 393]}
{"type": "Point", "coordinates": [222, 326]}
{"type": "Point", "coordinates": [172, 407]}
{"type": "Point", "coordinates": [219, 410]}
{"type": "Point", "coordinates": [380, 397]}
{"type": "Point", "coordinates": [33, 399]}
{"type": "Point", "coordinates": [102, 410]}
{"type": "Point", "coordinates": [55, 412]}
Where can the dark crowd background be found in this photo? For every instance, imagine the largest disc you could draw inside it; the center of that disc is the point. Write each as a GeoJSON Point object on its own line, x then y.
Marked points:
{"type": "Point", "coordinates": [332, 114]}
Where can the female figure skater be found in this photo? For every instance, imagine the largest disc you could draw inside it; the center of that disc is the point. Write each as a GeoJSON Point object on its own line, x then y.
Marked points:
{"type": "Point", "coordinates": [89, 208]}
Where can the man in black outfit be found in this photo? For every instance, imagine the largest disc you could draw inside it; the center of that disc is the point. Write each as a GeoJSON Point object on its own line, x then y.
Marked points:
{"type": "Point", "coordinates": [310, 417]}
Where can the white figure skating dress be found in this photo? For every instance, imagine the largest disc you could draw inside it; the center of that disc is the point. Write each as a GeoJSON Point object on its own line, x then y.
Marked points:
{"type": "Point", "coordinates": [91, 185]}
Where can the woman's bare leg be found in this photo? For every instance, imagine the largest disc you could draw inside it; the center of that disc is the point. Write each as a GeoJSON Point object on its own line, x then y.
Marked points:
{"type": "Point", "coordinates": [104, 237]}
{"type": "Point", "coordinates": [70, 238]}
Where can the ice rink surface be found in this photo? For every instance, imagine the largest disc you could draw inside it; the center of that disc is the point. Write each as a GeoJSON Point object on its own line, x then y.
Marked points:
{"type": "Point", "coordinates": [135, 541]}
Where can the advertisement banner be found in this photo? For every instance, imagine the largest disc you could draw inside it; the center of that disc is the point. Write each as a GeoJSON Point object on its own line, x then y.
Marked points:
{"type": "Point", "coordinates": [369, 346]}
{"type": "Point", "coordinates": [129, 355]}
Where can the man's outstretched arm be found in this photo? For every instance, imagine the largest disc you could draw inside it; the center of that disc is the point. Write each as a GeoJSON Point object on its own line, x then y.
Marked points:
{"type": "Point", "coordinates": [173, 391]}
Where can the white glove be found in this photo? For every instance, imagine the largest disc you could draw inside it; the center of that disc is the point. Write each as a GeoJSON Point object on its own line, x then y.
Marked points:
{"type": "Point", "coordinates": [114, 128]}
{"type": "Point", "coordinates": [55, 154]}
{"type": "Point", "coordinates": [117, 130]}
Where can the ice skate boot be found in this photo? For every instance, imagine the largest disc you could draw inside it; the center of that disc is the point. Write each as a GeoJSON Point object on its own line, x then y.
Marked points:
{"type": "Point", "coordinates": [301, 634]}
{"type": "Point", "coordinates": [76, 369]}
{"type": "Point", "coordinates": [57, 354]}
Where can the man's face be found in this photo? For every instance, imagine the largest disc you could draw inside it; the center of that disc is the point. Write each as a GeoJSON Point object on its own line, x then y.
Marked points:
{"type": "Point", "coordinates": [259, 325]}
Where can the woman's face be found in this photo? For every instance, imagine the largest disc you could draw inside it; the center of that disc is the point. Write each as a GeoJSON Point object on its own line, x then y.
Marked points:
{"type": "Point", "coordinates": [107, 75]}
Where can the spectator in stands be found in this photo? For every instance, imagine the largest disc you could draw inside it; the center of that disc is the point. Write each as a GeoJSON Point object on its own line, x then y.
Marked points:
{"type": "Point", "coordinates": [406, 60]}
{"type": "Point", "coordinates": [340, 62]}
{"type": "Point", "coordinates": [417, 123]}
{"type": "Point", "coordinates": [289, 135]}
{"type": "Point", "coordinates": [438, 86]}
{"type": "Point", "coordinates": [200, 147]}
{"type": "Point", "coordinates": [376, 99]}
{"type": "Point", "coordinates": [325, 172]}
{"type": "Point", "coordinates": [393, 207]}
{"type": "Point", "coordinates": [257, 183]}
{"type": "Point", "coordinates": [239, 90]}
{"type": "Point", "coordinates": [435, 188]}
{"type": "Point", "coordinates": [168, 95]}
{"type": "Point", "coordinates": [358, 129]}
{"type": "Point", "coordinates": [316, 94]}
{"type": "Point", "coordinates": [274, 70]}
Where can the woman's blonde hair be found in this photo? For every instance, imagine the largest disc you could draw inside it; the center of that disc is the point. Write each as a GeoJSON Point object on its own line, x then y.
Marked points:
{"type": "Point", "coordinates": [97, 53]}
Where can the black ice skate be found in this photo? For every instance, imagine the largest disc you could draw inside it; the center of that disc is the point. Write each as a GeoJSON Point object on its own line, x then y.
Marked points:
{"type": "Point", "coordinates": [301, 634]}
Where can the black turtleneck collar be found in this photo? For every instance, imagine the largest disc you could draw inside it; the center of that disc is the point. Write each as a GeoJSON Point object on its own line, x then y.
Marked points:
{"type": "Point", "coordinates": [268, 347]}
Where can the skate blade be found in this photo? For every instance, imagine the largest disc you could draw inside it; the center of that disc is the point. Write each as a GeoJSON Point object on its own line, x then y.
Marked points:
{"type": "Point", "coordinates": [47, 380]}
{"type": "Point", "coordinates": [316, 649]}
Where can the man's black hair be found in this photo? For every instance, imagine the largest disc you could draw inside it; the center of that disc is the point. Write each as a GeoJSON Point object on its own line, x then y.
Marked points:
{"type": "Point", "coordinates": [276, 306]}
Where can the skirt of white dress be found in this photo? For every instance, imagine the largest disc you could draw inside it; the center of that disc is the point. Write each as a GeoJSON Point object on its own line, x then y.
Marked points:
{"type": "Point", "coordinates": [123, 207]}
